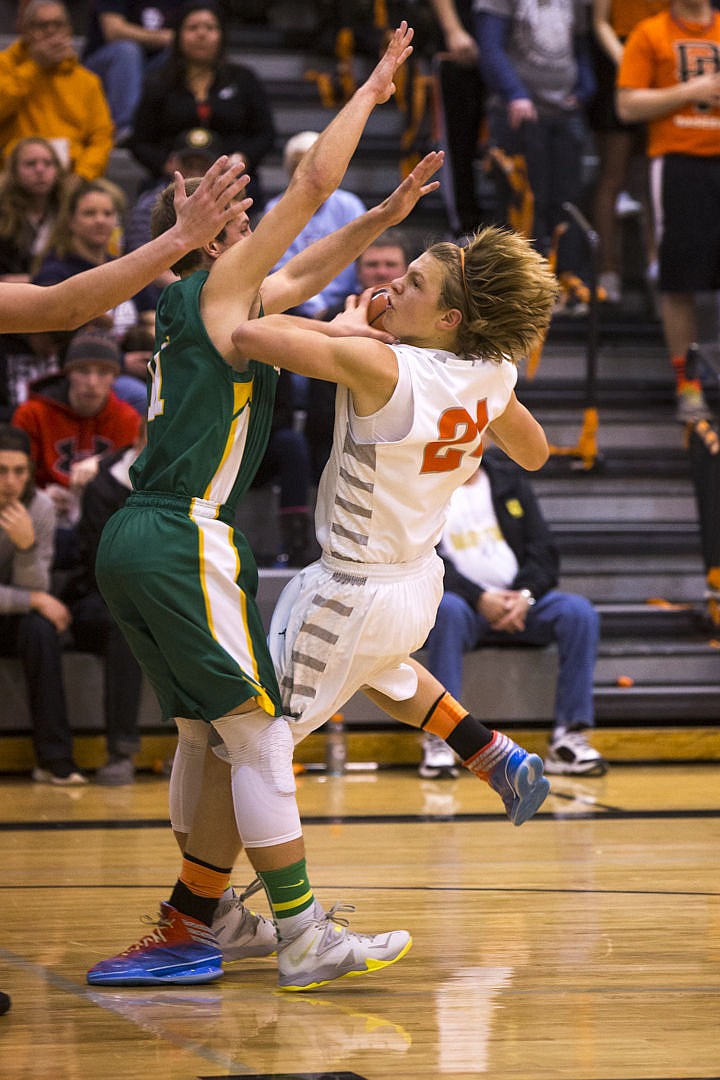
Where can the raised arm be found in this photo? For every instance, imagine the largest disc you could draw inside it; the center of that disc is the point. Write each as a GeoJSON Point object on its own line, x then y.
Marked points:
{"type": "Point", "coordinates": [70, 303]}
{"type": "Point", "coordinates": [311, 269]}
{"type": "Point", "coordinates": [242, 268]}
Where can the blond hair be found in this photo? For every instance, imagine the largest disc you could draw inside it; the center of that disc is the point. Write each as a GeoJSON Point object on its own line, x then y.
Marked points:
{"type": "Point", "coordinates": [504, 288]}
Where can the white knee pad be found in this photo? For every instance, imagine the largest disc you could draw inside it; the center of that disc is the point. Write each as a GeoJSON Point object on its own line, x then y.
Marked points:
{"type": "Point", "coordinates": [187, 772]}
{"type": "Point", "coordinates": [260, 751]}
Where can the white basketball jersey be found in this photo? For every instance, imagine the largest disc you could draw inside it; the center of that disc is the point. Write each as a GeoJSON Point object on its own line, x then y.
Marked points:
{"type": "Point", "coordinates": [384, 494]}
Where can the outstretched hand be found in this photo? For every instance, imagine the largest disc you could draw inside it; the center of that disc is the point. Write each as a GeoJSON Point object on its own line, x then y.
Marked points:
{"type": "Point", "coordinates": [215, 202]}
{"type": "Point", "coordinates": [416, 184]}
{"type": "Point", "coordinates": [380, 81]}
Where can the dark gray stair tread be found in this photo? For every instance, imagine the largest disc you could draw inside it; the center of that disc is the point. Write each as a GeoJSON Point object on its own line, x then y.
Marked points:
{"type": "Point", "coordinates": [676, 671]}
{"type": "Point", "coordinates": [589, 509]}
{"type": "Point", "coordinates": [648, 620]}
{"type": "Point", "coordinates": [607, 591]}
{"type": "Point", "coordinates": [689, 705]}
{"type": "Point", "coordinates": [608, 486]}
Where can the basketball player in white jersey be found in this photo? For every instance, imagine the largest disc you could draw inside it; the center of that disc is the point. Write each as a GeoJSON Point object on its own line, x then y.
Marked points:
{"type": "Point", "coordinates": [410, 419]}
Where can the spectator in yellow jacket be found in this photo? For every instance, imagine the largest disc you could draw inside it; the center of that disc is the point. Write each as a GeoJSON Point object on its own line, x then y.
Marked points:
{"type": "Point", "coordinates": [45, 91]}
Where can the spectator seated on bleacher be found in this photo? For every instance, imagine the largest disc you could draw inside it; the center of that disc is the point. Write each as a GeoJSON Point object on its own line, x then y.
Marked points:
{"type": "Point", "coordinates": [198, 88]}
{"type": "Point", "coordinates": [33, 186]}
{"type": "Point", "coordinates": [339, 209]}
{"type": "Point", "coordinates": [85, 235]}
{"type": "Point", "coordinates": [45, 90]}
{"type": "Point", "coordinates": [73, 419]}
{"type": "Point", "coordinates": [93, 627]}
{"type": "Point", "coordinates": [32, 620]}
{"type": "Point", "coordinates": [501, 574]}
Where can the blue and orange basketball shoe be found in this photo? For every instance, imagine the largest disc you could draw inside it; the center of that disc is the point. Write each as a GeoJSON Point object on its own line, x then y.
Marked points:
{"type": "Point", "coordinates": [180, 949]}
{"type": "Point", "coordinates": [516, 775]}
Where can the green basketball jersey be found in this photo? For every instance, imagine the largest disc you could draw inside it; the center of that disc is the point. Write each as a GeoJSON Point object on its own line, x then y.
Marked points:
{"type": "Point", "coordinates": [208, 425]}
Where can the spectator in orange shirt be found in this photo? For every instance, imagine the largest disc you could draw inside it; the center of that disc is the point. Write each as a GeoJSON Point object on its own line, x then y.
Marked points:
{"type": "Point", "coordinates": [669, 77]}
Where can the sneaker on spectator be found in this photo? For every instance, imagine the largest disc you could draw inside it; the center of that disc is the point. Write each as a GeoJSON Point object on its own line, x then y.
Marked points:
{"type": "Point", "coordinates": [60, 773]}
{"type": "Point", "coordinates": [116, 772]}
{"type": "Point", "coordinates": [516, 776]}
{"type": "Point", "coordinates": [326, 950]}
{"type": "Point", "coordinates": [570, 754]}
{"type": "Point", "coordinates": [179, 950]}
{"type": "Point", "coordinates": [438, 760]}
{"type": "Point", "coordinates": [240, 932]}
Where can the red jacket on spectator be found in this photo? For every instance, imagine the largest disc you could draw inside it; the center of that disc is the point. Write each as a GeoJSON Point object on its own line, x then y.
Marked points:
{"type": "Point", "coordinates": [60, 437]}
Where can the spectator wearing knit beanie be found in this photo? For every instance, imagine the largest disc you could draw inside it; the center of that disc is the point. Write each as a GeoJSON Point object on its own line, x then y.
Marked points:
{"type": "Point", "coordinates": [92, 348]}
{"type": "Point", "coordinates": [74, 419]}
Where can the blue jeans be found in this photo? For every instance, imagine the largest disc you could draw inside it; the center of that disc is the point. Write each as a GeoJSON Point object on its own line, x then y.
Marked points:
{"type": "Point", "coordinates": [564, 618]}
{"type": "Point", "coordinates": [121, 67]}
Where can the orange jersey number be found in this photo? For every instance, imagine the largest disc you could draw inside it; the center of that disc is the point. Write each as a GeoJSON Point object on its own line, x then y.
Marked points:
{"type": "Point", "coordinates": [455, 428]}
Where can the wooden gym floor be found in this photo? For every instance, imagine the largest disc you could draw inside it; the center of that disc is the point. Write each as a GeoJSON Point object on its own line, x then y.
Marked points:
{"type": "Point", "coordinates": [584, 945]}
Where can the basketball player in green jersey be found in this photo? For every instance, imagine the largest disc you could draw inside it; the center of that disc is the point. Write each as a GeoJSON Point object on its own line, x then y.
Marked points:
{"type": "Point", "coordinates": [181, 582]}
{"type": "Point", "coordinates": [65, 306]}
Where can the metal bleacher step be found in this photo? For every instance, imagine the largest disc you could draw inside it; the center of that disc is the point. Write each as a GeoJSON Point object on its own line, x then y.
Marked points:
{"type": "Point", "coordinates": [604, 501]}
{"type": "Point", "coordinates": [634, 579]}
{"type": "Point", "coordinates": [660, 705]}
{"type": "Point", "coordinates": [638, 537]}
{"type": "Point", "coordinates": [687, 660]}
{"type": "Point", "coordinates": [649, 621]}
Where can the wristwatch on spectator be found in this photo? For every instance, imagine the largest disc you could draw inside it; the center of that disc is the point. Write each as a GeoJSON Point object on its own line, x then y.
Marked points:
{"type": "Point", "coordinates": [528, 596]}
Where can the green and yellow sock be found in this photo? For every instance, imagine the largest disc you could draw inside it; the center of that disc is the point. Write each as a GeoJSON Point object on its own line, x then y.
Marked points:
{"type": "Point", "coordinates": [290, 896]}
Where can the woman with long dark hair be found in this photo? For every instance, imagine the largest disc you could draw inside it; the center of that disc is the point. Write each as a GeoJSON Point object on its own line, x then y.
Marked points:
{"type": "Point", "coordinates": [197, 90]}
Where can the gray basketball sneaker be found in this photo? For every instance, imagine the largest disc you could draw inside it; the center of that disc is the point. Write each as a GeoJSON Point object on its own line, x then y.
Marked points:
{"type": "Point", "coordinates": [240, 932]}
{"type": "Point", "coordinates": [326, 950]}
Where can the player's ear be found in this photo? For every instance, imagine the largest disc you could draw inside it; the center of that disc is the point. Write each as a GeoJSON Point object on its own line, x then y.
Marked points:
{"type": "Point", "coordinates": [214, 247]}
{"type": "Point", "coordinates": [451, 319]}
